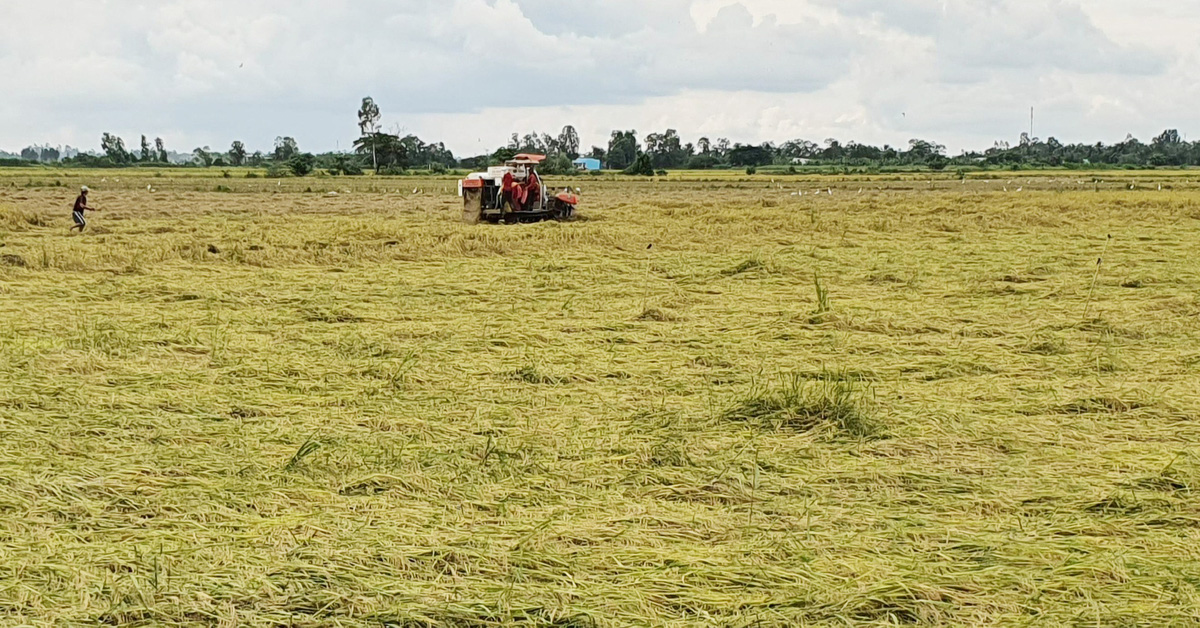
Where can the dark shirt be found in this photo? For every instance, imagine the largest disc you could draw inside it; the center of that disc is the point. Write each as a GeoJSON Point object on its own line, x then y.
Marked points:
{"type": "Point", "coordinates": [80, 203]}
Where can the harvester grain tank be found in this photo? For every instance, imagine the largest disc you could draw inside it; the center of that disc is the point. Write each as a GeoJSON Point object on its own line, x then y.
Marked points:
{"type": "Point", "coordinates": [514, 192]}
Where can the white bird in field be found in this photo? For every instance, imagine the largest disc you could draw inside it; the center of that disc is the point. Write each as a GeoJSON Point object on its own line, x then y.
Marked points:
{"type": "Point", "coordinates": [1020, 189]}
{"type": "Point", "coordinates": [830, 190]}
{"type": "Point", "coordinates": [414, 190]}
{"type": "Point", "coordinates": [1160, 187]}
{"type": "Point", "coordinates": [860, 190]}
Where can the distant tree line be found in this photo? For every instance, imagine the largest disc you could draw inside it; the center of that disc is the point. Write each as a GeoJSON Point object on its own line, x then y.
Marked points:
{"type": "Point", "coordinates": [394, 153]}
{"type": "Point", "coordinates": [666, 151]}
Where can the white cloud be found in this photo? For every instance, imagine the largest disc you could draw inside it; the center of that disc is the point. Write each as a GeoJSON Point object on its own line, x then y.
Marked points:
{"type": "Point", "coordinates": [470, 72]}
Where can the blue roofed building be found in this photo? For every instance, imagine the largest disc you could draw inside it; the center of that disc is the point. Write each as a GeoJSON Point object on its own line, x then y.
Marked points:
{"type": "Point", "coordinates": [587, 164]}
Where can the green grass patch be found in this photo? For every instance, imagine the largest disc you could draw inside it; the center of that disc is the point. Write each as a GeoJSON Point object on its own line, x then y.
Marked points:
{"type": "Point", "coordinates": [840, 405]}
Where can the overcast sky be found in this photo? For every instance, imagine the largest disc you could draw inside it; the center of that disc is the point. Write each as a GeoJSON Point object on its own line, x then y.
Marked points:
{"type": "Point", "coordinates": [470, 72]}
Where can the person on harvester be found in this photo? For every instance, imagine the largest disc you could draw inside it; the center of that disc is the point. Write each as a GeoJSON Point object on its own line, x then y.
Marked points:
{"type": "Point", "coordinates": [533, 188]}
{"type": "Point", "coordinates": [81, 205]}
{"type": "Point", "coordinates": [510, 190]}
{"type": "Point", "coordinates": [518, 194]}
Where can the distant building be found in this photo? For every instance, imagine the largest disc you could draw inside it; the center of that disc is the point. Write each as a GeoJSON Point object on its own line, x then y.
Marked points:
{"type": "Point", "coordinates": [587, 164]}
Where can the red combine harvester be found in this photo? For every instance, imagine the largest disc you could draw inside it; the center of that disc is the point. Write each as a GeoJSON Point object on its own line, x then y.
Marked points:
{"type": "Point", "coordinates": [514, 193]}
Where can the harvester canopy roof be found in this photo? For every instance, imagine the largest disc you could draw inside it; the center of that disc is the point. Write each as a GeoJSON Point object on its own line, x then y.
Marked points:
{"type": "Point", "coordinates": [527, 158]}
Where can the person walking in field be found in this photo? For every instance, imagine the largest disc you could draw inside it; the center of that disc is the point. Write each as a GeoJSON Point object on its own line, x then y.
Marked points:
{"type": "Point", "coordinates": [81, 205]}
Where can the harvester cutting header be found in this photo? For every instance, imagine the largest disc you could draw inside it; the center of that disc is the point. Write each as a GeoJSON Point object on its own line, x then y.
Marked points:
{"type": "Point", "coordinates": [514, 193]}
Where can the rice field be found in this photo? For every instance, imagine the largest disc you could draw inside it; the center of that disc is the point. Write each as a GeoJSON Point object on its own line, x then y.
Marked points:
{"type": "Point", "coordinates": [709, 401]}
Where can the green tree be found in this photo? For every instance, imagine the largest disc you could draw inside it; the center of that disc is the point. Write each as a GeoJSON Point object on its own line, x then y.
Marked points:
{"type": "Point", "coordinates": [559, 164]}
{"type": "Point", "coordinates": [368, 125]}
{"type": "Point", "coordinates": [114, 148]}
{"type": "Point", "coordinates": [343, 164]}
{"type": "Point", "coordinates": [623, 149]}
{"type": "Point", "coordinates": [285, 148]}
{"type": "Point", "coordinates": [47, 154]}
{"type": "Point", "coordinates": [568, 142]}
{"type": "Point", "coordinates": [1170, 137]}
{"type": "Point", "coordinates": [202, 157]}
{"type": "Point", "coordinates": [749, 155]}
{"type": "Point", "coordinates": [388, 151]}
{"type": "Point", "coordinates": [666, 149]}
{"type": "Point", "coordinates": [1169, 149]}
{"type": "Point", "coordinates": [642, 165]}
{"type": "Point", "coordinates": [146, 156]}
{"type": "Point", "coordinates": [539, 143]}
{"type": "Point", "coordinates": [237, 153]}
{"type": "Point", "coordinates": [833, 150]}
{"type": "Point", "coordinates": [418, 153]}
{"type": "Point", "coordinates": [503, 154]}
{"type": "Point", "coordinates": [301, 164]}
{"type": "Point", "coordinates": [923, 152]}
{"type": "Point", "coordinates": [800, 149]}
{"type": "Point", "coordinates": [160, 150]}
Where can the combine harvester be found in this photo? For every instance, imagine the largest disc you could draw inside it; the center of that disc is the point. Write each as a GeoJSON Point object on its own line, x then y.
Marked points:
{"type": "Point", "coordinates": [513, 193]}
